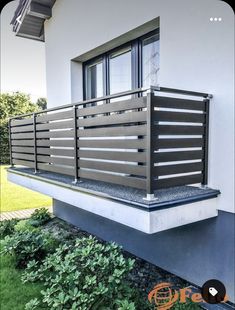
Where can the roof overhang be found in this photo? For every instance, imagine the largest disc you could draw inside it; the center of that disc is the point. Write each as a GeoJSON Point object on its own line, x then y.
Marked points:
{"type": "Point", "coordinates": [29, 18]}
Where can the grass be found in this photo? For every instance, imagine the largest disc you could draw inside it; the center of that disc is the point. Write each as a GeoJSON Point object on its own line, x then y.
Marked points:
{"type": "Point", "coordinates": [14, 197]}
{"type": "Point", "coordinates": [13, 293]}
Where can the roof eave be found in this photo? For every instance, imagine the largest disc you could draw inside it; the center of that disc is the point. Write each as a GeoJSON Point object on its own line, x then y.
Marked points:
{"type": "Point", "coordinates": [29, 18]}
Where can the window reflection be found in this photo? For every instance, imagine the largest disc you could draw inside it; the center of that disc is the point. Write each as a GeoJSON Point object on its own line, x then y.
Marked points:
{"type": "Point", "coordinates": [120, 71]}
{"type": "Point", "coordinates": [95, 86]}
{"type": "Point", "coordinates": [150, 60]}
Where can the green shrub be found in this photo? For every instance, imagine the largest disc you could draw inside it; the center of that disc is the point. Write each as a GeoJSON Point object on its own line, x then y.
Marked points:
{"type": "Point", "coordinates": [87, 275]}
{"type": "Point", "coordinates": [32, 304]}
{"type": "Point", "coordinates": [24, 225]}
{"type": "Point", "coordinates": [7, 227]}
{"type": "Point", "coordinates": [39, 217]}
{"type": "Point", "coordinates": [28, 245]}
{"type": "Point", "coordinates": [126, 305]}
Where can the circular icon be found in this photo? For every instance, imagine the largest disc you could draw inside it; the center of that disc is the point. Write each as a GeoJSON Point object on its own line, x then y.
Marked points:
{"type": "Point", "coordinates": [213, 291]}
{"type": "Point", "coordinates": [163, 296]}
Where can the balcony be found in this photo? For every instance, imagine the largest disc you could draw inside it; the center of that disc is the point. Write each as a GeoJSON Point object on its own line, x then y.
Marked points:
{"type": "Point", "coordinates": [143, 147]}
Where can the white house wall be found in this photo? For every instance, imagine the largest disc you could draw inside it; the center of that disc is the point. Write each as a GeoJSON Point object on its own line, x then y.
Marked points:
{"type": "Point", "coordinates": [195, 54]}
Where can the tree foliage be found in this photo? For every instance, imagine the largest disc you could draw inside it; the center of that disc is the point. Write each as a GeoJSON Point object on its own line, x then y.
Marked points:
{"type": "Point", "coordinates": [42, 103]}
{"type": "Point", "coordinates": [12, 105]}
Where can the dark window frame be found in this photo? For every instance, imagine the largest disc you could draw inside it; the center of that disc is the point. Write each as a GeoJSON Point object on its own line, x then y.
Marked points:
{"type": "Point", "coordinates": [136, 64]}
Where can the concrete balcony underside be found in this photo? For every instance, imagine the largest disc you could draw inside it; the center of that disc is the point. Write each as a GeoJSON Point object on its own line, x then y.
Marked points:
{"type": "Point", "coordinates": [173, 207]}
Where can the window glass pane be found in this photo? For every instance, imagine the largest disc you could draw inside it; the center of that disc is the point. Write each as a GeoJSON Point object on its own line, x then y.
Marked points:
{"type": "Point", "coordinates": [120, 71]}
{"type": "Point", "coordinates": [150, 60]}
{"type": "Point", "coordinates": [95, 87]}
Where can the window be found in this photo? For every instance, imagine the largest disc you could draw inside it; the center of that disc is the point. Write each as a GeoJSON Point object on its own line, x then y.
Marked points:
{"type": "Point", "coordinates": [120, 71]}
{"type": "Point", "coordinates": [133, 65]}
{"type": "Point", "coordinates": [150, 60]}
{"type": "Point", "coordinates": [94, 80]}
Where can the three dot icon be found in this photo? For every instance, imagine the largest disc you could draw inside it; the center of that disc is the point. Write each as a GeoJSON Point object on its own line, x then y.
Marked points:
{"type": "Point", "coordinates": [215, 19]}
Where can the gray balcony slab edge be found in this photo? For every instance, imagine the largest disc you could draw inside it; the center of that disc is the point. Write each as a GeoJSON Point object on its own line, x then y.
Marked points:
{"type": "Point", "coordinates": [166, 198]}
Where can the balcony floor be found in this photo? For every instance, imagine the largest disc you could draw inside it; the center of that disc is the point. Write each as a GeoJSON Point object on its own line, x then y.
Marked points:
{"type": "Point", "coordinates": [166, 198]}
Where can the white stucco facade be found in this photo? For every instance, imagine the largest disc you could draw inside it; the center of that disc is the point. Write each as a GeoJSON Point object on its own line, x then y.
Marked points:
{"type": "Point", "coordinates": [195, 54]}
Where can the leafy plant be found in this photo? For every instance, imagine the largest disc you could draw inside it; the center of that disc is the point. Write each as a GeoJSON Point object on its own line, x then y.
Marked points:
{"type": "Point", "coordinates": [28, 245]}
{"type": "Point", "coordinates": [87, 275]}
{"type": "Point", "coordinates": [39, 217]}
{"type": "Point", "coordinates": [24, 225]}
{"type": "Point", "coordinates": [7, 227]}
{"type": "Point", "coordinates": [42, 103]}
{"type": "Point", "coordinates": [32, 304]}
{"type": "Point", "coordinates": [126, 305]}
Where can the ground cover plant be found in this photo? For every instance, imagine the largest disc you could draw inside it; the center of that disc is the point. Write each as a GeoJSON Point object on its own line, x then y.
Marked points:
{"type": "Point", "coordinates": [86, 275]}
{"type": "Point", "coordinates": [62, 267]}
{"type": "Point", "coordinates": [7, 227]}
{"type": "Point", "coordinates": [27, 245]}
{"type": "Point", "coordinates": [39, 217]}
{"type": "Point", "coordinates": [24, 242]}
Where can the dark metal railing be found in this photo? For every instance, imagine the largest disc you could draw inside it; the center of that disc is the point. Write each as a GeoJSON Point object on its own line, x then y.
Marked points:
{"type": "Point", "coordinates": [148, 142]}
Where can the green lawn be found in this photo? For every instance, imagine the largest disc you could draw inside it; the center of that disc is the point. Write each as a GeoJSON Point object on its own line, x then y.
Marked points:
{"type": "Point", "coordinates": [14, 197]}
{"type": "Point", "coordinates": [13, 293]}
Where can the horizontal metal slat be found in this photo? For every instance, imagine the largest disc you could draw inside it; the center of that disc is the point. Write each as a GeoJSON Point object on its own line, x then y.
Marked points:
{"type": "Point", "coordinates": [55, 134]}
{"type": "Point", "coordinates": [113, 131]}
{"type": "Point", "coordinates": [20, 122]}
{"type": "Point", "coordinates": [59, 143]}
{"type": "Point", "coordinates": [129, 117]}
{"type": "Point", "coordinates": [178, 130]}
{"type": "Point", "coordinates": [29, 150]}
{"type": "Point", "coordinates": [20, 162]}
{"type": "Point", "coordinates": [54, 116]}
{"type": "Point", "coordinates": [178, 181]}
{"type": "Point", "coordinates": [55, 125]}
{"type": "Point", "coordinates": [23, 156]}
{"type": "Point", "coordinates": [167, 116]}
{"type": "Point", "coordinates": [114, 167]}
{"type": "Point", "coordinates": [109, 155]}
{"type": "Point", "coordinates": [117, 144]}
{"type": "Point", "coordinates": [134, 103]}
{"type": "Point", "coordinates": [58, 152]}
{"type": "Point", "coordinates": [56, 169]}
{"type": "Point", "coordinates": [22, 142]}
{"type": "Point", "coordinates": [177, 156]}
{"type": "Point", "coordinates": [176, 103]}
{"type": "Point", "coordinates": [18, 136]}
{"type": "Point", "coordinates": [178, 143]}
{"type": "Point", "coordinates": [21, 129]}
{"type": "Point", "coordinates": [180, 168]}
{"type": "Point", "coordinates": [56, 160]}
{"type": "Point", "coordinates": [110, 178]}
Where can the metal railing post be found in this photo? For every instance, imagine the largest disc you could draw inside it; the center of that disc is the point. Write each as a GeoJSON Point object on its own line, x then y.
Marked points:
{"type": "Point", "coordinates": [206, 144]}
{"type": "Point", "coordinates": [150, 149]}
{"type": "Point", "coordinates": [10, 145]}
{"type": "Point", "coordinates": [35, 143]}
{"type": "Point", "coordinates": [76, 178]}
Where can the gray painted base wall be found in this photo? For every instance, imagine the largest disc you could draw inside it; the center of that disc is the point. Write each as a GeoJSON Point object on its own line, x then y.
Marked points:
{"type": "Point", "coordinates": [195, 252]}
